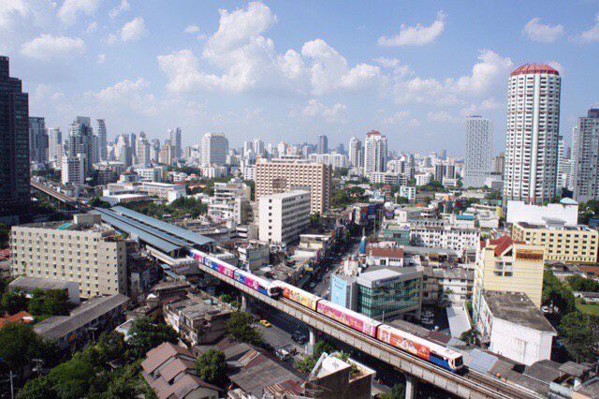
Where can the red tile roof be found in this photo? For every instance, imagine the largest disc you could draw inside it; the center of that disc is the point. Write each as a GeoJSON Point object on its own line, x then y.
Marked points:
{"type": "Point", "coordinates": [502, 244]}
{"type": "Point", "coordinates": [535, 69]}
{"type": "Point", "coordinates": [386, 252]}
{"type": "Point", "coordinates": [21, 318]}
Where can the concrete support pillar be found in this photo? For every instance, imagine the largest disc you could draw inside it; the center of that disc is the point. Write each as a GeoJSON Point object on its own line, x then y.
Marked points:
{"type": "Point", "coordinates": [244, 302]}
{"type": "Point", "coordinates": [411, 383]}
{"type": "Point", "coordinates": [311, 341]}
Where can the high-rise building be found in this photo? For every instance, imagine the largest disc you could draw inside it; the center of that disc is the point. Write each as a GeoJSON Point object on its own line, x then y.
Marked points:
{"type": "Point", "coordinates": [38, 140]}
{"type": "Point", "coordinates": [533, 118]}
{"type": "Point", "coordinates": [586, 157]}
{"type": "Point", "coordinates": [499, 164]}
{"type": "Point", "coordinates": [133, 144]}
{"type": "Point", "coordinates": [15, 195]}
{"type": "Point", "coordinates": [479, 151]}
{"type": "Point", "coordinates": [102, 140]}
{"type": "Point", "coordinates": [375, 152]}
{"type": "Point", "coordinates": [323, 144]}
{"type": "Point", "coordinates": [143, 151]}
{"type": "Point", "coordinates": [81, 142]}
{"type": "Point", "coordinates": [283, 217]}
{"type": "Point", "coordinates": [55, 150]}
{"type": "Point", "coordinates": [282, 175]}
{"type": "Point", "coordinates": [167, 154]}
{"type": "Point", "coordinates": [72, 171]}
{"type": "Point", "coordinates": [259, 147]}
{"type": "Point", "coordinates": [175, 138]}
{"type": "Point", "coordinates": [355, 152]}
{"type": "Point", "coordinates": [155, 150]}
{"type": "Point", "coordinates": [215, 147]}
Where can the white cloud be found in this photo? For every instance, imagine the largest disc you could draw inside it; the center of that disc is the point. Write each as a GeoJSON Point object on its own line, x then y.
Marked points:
{"type": "Point", "coordinates": [134, 30]}
{"type": "Point", "coordinates": [70, 9]}
{"type": "Point", "coordinates": [124, 96]}
{"type": "Point", "coordinates": [101, 58]}
{"type": "Point", "coordinates": [442, 117]}
{"type": "Point", "coordinates": [123, 7]}
{"type": "Point", "coordinates": [484, 73]}
{"type": "Point", "coordinates": [192, 29]}
{"type": "Point", "coordinates": [17, 15]}
{"type": "Point", "coordinates": [92, 27]}
{"type": "Point", "coordinates": [47, 47]}
{"type": "Point", "coordinates": [592, 34]}
{"type": "Point", "coordinates": [332, 114]}
{"type": "Point", "coordinates": [556, 65]}
{"type": "Point", "coordinates": [418, 35]}
{"type": "Point", "coordinates": [543, 33]}
{"type": "Point", "coordinates": [182, 71]}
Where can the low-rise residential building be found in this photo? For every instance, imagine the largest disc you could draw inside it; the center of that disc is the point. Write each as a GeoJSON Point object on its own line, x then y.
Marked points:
{"type": "Point", "coordinates": [562, 243]}
{"type": "Point", "coordinates": [283, 217]}
{"type": "Point", "coordinates": [82, 251]}
{"type": "Point", "coordinates": [85, 322]}
{"type": "Point", "coordinates": [514, 327]}
{"type": "Point", "coordinates": [566, 212]}
{"type": "Point", "coordinates": [447, 286]}
{"type": "Point", "coordinates": [28, 285]}
{"type": "Point", "coordinates": [505, 265]}
{"type": "Point", "coordinates": [385, 256]}
{"type": "Point", "coordinates": [230, 202]}
{"type": "Point", "coordinates": [165, 191]}
{"type": "Point", "coordinates": [253, 254]}
{"type": "Point", "coordinates": [398, 233]}
{"type": "Point", "coordinates": [408, 192]}
{"type": "Point", "coordinates": [198, 320]}
{"type": "Point", "coordinates": [459, 239]}
{"type": "Point", "coordinates": [170, 371]}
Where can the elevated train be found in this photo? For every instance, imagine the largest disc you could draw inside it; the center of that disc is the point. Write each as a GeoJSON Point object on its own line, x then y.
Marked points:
{"type": "Point", "coordinates": [422, 348]}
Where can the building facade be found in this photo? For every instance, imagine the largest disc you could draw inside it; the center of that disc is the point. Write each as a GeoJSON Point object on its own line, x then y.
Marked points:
{"type": "Point", "coordinates": [283, 217]}
{"type": "Point", "coordinates": [15, 195]}
{"type": "Point", "coordinates": [356, 158]}
{"type": "Point", "coordinates": [533, 118]}
{"type": "Point", "coordinates": [38, 140]}
{"type": "Point", "coordinates": [72, 171]}
{"type": "Point", "coordinates": [81, 251]}
{"type": "Point", "coordinates": [215, 147]}
{"type": "Point", "coordinates": [478, 160]}
{"type": "Point", "coordinates": [282, 175]}
{"type": "Point", "coordinates": [375, 152]}
{"type": "Point", "coordinates": [586, 161]}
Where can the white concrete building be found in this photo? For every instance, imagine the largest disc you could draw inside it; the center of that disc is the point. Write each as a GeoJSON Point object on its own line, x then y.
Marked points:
{"type": "Point", "coordinates": [230, 202]}
{"type": "Point", "coordinates": [82, 251]}
{"type": "Point", "coordinates": [533, 118]}
{"type": "Point", "coordinates": [169, 192]}
{"type": "Point", "coordinates": [422, 179]}
{"type": "Point", "coordinates": [150, 174]}
{"type": "Point", "coordinates": [514, 327]}
{"type": "Point", "coordinates": [457, 239]}
{"type": "Point", "coordinates": [586, 163]}
{"type": "Point", "coordinates": [408, 192]}
{"type": "Point", "coordinates": [283, 217]}
{"type": "Point", "coordinates": [72, 171]}
{"type": "Point", "coordinates": [356, 153]}
{"type": "Point", "coordinates": [375, 152]}
{"type": "Point", "coordinates": [566, 211]}
{"type": "Point", "coordinates": [215, 147]}
{"type": "Point", "coordinates": [478, 160]}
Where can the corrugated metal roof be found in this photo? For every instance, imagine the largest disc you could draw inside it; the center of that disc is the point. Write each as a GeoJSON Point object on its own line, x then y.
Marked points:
{"type": "Point", "coordinates": [168, 228]}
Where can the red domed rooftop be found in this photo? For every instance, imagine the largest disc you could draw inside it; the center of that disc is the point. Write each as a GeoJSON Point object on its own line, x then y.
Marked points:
{"type": "Point", "coordinates": [535, 68]}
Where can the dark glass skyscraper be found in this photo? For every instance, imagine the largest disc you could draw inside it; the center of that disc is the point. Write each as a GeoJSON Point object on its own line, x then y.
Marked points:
{"type": "Point", "coordinates": [15, 196]}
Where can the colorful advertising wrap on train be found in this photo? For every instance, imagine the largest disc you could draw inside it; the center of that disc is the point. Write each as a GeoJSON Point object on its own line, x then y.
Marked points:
{"type": "Point", "coordinates": [296, 296]}
{"type": "Point", "coordinates": [347, 319]}
{"type": "Point", "coordinates": [222, 269]}
{"type": "Point", "coordinates": [392, 337]}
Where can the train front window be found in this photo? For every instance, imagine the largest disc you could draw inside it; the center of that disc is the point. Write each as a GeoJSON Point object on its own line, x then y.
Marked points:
{"type": "Point", "coordinates": [458, 362]}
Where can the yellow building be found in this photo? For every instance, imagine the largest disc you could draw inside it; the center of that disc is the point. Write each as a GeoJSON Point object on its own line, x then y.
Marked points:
{"type": "Point", "coordinates": [508, 266]}
{"type": "Point", "coordinates": [568, 244]}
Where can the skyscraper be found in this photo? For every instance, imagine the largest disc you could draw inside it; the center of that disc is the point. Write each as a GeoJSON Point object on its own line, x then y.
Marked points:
{"type": "Point", "coordinates": [532, 134]}
{"type": "Point", "coordinates": [15, 195]}
{"type": "Point", "coordinates": [102, 142]}
{"type": "Point", "coordinates": [55, 151]}
{"type": "Point", "coordinates": [355, 152]}
{"type": "Point", "coordinates": [586, 154]}
{"type": "Point", "coordinates": [175, 138]}
{"type": "Point", "coordinates": [375, 152]}
{"type": "Point", "coordinates": [215, 147]}
{"type": "Point", "coordinates": [81, 142]}
{"type": "Point", "coordinates": [323, 144]}
{"type": "Point", "coordinates": [38, 140]}
{"type": "Point", "coordinates": [478, 159]}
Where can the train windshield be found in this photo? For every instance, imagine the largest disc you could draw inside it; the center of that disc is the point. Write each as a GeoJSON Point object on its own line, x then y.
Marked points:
{"type": "Point", "coordinates": [457, 362]}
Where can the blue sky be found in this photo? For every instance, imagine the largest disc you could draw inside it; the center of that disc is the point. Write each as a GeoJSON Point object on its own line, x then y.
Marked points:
{"type": "Point", "coordinates": [291, 70]}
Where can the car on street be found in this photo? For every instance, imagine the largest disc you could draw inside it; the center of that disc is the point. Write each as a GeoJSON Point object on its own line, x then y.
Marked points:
{"type": "Point", "coordinates": [265, 323]}
{"type": "Point", "coordinates": [299, 337]}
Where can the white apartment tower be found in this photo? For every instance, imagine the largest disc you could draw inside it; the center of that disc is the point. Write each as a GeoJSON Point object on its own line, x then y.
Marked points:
{"type": "Point", "coordinates": [72, 171]}
{"type": "Point", "coordinates": [215, 147]}
{"type": "Point", "coordinates": [375, 152]}
{"type": "Point", "coordinates": [355, 152]}
{"type": "Point", "coordinates": [478, 161]}
{"type": "Point", "coordinates": [586, 162]}
{"type": "Point", "coordinates": [532, 134]}
{"type": "Point", "coordinates": [283, 217]}
{"type": "Point", "coordinates": [55, 151]}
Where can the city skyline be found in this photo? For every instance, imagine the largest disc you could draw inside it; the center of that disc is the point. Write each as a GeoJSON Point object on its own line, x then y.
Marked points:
{"type": "Point", "coordinates": [207, 73]}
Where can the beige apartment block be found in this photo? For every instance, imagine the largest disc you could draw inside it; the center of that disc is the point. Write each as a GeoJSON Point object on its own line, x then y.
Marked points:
{"type": "Point", "coordinates": [283, 175]}
{"type": "Point", "coordinates": [81, 251]}
{"type": "Point", "coordinates": [508, 266]}
{"type": "Point", "coordinates": [568, 244]}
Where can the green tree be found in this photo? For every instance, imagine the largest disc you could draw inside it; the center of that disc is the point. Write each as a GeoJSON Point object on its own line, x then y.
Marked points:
{"type": "Point", "coordinates": [38, 388]}
{"type": "Point", "coordinates": [240, 327]}
{"type": "Point", "coordinates": [577, 336]}
{"type": "Point", "coordinates": [557, 294]}
{"type": "Point", "coordinates": [211, 367]}
{"type": "Point", "coordinates": [98, 203]}
{"type": "Point", "coordinates": [13, 302]}
{"type": "Point", "coordinates": [397, 392]}
{"type": "Point", "coordinates": [579, 283]}
{"type": "Point", "coordinates": [72, 379]}
{"type": "Point", "coordinates": [4, 235]}
{"type": "Point", "coordinates": [145, 335]}
{"type": "Point", "coordinates": [19, 344]}
{"type": "Point", "coordinates": [51, 302]}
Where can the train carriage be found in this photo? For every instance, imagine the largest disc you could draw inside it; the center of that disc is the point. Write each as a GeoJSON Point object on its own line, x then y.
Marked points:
{"type": "Point", "coordinates": [352, 319]}
{"type": "Point", "coordinates": [298, 295]}
{"type": "Point", "coordinates": [256, 283]}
